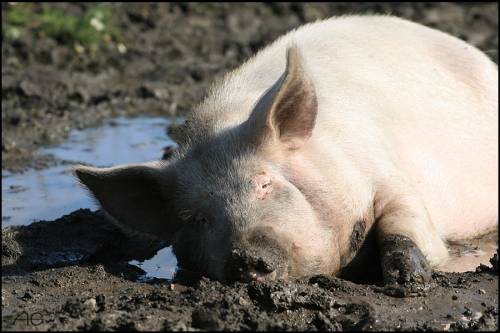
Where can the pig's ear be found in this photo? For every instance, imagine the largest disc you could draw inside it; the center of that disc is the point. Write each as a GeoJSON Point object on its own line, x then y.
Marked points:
{"type": "Point", "coordinates": [287, 111]}
{"type": "Point", "coordinates": [136, 196]}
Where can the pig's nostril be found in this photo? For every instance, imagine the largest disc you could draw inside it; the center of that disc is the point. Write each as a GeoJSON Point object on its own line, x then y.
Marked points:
{"type": "Point", "coordinates": [247, 267]}
{"type": "Point", "coordinates": [263, 266]}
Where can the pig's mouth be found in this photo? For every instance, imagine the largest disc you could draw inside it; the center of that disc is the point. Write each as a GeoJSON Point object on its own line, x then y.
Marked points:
{"type": "Point", "coordinates": [259, 276]}
{"type": "Point", "coordinates": [263, 277]}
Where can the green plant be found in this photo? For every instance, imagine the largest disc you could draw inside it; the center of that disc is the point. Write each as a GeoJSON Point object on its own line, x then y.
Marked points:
{"type": "Point", "coordinates": [87, 29]}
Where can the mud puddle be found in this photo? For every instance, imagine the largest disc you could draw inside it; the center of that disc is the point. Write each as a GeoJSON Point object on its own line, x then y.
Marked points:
{"type": "Point", "coordinates": [466, 255]}
{"type": "Point", "coordinates": [162, 266]}
{"type": "Point", "coordinates": [49, 193]}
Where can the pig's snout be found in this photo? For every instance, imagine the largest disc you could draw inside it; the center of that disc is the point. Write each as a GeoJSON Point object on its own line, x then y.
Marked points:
{"type": "Point", "coordinates": [257, 258]}
{"type": "Point", "coordinates": [245, 266]}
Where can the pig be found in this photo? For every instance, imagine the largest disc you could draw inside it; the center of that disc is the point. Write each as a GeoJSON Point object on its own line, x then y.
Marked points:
{"type": "Point", "coordinates": [343, 128]}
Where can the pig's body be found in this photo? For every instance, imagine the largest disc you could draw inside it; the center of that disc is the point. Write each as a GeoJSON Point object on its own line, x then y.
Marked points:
{"type": "Point", "coordinates": [395, 100]}
{"type": "Point", "coordinates": [343, 126]}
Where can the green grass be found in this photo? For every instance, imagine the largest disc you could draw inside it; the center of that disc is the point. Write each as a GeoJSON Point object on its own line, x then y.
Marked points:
{"type": "Point", "coordinates": [91, 28]}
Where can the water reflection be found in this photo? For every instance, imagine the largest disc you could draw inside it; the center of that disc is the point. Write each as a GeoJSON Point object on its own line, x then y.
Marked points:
{"type": "Point", "coordinates": [40, 195]}
{"type": "Point", "coordinates": [50, 193]}
{"type": "Point", "coordinates": [162, 266]}
{"type": "Point", "coordinates": [122, 140]}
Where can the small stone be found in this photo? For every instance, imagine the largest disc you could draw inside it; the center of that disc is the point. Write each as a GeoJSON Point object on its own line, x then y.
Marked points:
{"type": "Point", "coordinates": [467, 312]}
{"type": "Point", "coordinates": [205, 319]}
{"type": "Point", "coordinates": [482, 291]}
{"type": "Point", "coordinates": [35, 282]}
{"type": "Point", "coordinates": [90, 303]}
{"type": "Point", "coordinates": [27, 296]}
{"type": "Point", "coordinates": [242, 301]}
{"type": "Point", "coordinates": [446, 327]}
{"type": "Point", "coordinates": [168, 326]}
{"type": "Point", "coordinates": [101, 302]}
{"type": "Point", "coordinates": [454, 297]}
{"type": "Point", "coordinates": [476, 315]}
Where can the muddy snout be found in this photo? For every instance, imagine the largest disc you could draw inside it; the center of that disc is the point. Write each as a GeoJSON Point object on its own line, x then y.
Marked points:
{"type": "Point", "coordinates": [257, 258]}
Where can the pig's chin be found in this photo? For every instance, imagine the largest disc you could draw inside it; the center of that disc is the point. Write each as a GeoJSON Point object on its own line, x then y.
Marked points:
{"type": "Point", "coordinates": [258, 275]}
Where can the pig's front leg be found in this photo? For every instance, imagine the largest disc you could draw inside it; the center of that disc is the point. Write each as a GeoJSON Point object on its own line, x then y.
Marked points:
{"type": "Point", "coordinates": [408, 241]}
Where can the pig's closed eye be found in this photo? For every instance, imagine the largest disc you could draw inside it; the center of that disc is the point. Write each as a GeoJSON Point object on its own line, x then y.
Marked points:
{"type": "Point", "coordinates": [266, 184]}
{"type": "Point", "coordinates": [263, 185]}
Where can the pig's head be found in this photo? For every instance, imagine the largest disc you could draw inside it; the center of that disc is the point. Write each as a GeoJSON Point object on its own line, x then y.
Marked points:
{"type": "Point", "coordinates": [227, 201]}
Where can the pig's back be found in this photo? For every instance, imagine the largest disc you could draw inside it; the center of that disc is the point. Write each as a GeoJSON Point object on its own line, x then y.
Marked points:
{"type": "Point", "coordinates": [391, 89]}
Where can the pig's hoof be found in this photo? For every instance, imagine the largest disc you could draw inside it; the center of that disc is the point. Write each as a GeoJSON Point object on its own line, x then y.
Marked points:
{"type": "Point", "coordinates": [405, 270]}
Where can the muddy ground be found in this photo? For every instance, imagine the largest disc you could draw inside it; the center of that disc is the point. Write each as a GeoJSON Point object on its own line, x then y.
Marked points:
{"type": "Point", "coordinates": [72, 273]}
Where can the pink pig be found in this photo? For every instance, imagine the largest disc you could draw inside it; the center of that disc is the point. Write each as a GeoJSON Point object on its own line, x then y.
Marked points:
{"type": "Point", "coordinates": [340, 129]}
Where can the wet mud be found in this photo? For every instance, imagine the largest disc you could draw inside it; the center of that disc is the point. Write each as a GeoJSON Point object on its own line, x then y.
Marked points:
{"type": "Point", "coordinates": [79, 272]}
{"type": "Point", "coordinates": [83, 281]}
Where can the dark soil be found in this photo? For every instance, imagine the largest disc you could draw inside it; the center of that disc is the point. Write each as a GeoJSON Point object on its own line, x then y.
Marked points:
{"type": "Point", "coordinates": [72, 273]}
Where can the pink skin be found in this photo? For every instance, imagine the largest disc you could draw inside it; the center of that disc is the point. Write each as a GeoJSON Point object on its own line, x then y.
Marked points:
{"type": "Point", "coordinates": [342, 137]}
{"type": "Point", "coordinates": [299, 229]}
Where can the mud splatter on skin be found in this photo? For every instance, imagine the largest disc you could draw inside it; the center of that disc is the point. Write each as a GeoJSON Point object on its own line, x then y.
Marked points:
{"type": "Point", "coordinates": [362, 263]}
{"type": "Point", "coordinates": [355, 242]}
{"type": "Point", "coordinates": [357, 237]}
